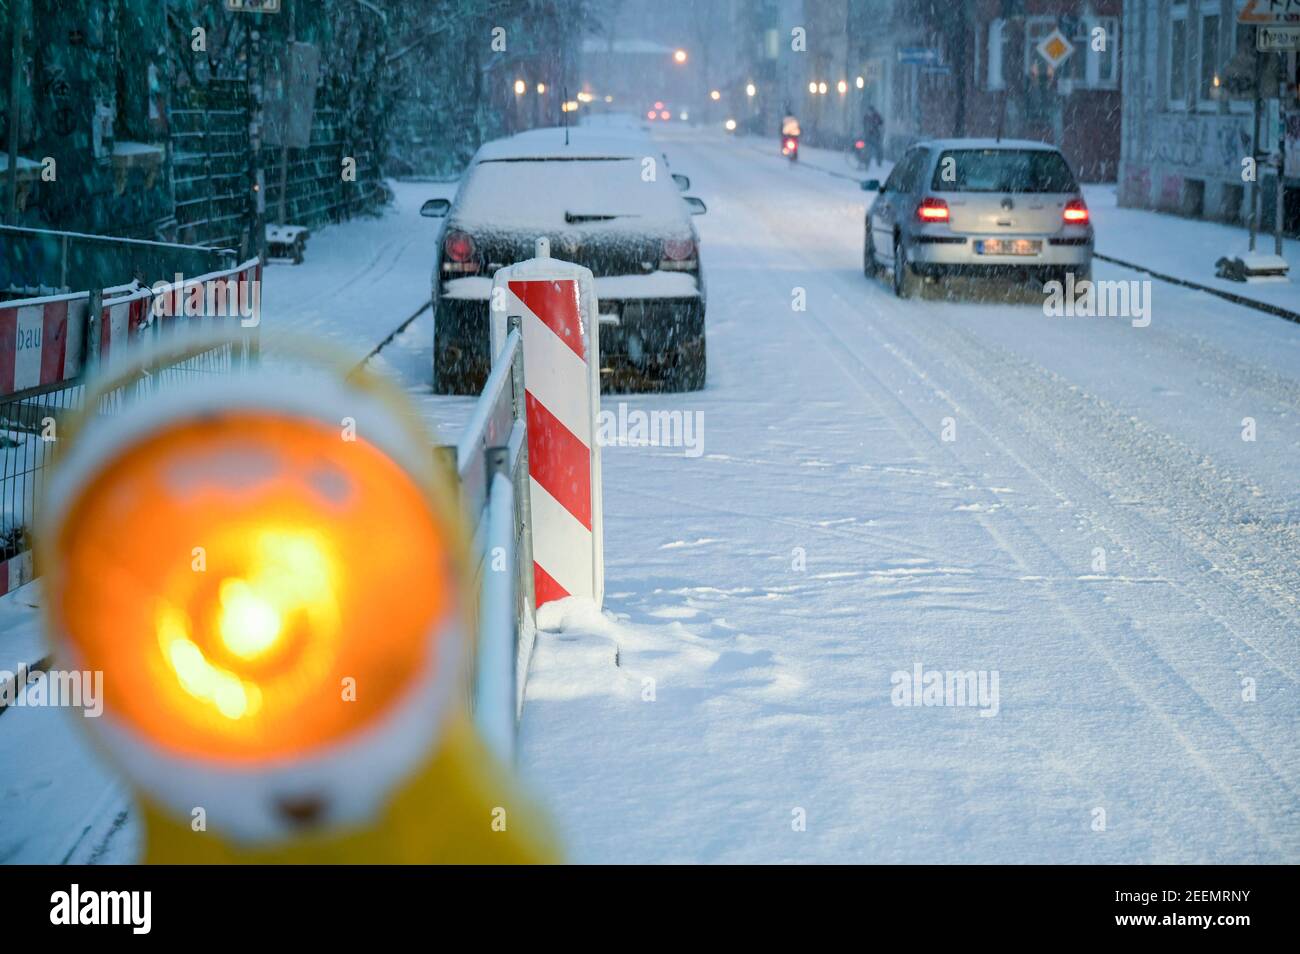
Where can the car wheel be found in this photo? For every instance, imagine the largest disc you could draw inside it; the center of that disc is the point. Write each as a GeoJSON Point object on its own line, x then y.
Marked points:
{"type": "Point", "coordinates": [451, 375]}
{"type": "Point", "coordinates": [869, 266]}
{"type": "Point", "coordinates": [690, 369]}
{"type": "Point", "coordinates": [902, 280]}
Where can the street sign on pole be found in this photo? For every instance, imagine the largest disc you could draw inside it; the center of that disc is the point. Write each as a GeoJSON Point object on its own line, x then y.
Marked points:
{"type": "Point", "coordinates": [918, 56]}
{"type": "Point", "coordinates": [1277, 39]}
{"type": "Point", "coordinates": [1273, 12]}
{"type": "Point", "coordinates": [253, 6]}
{"type": "Point", "coordinates": [1055, 48]}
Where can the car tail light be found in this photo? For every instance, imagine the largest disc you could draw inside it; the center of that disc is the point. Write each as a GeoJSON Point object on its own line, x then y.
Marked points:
{"type": "Point", "coordinates": [679, 255]}
{"type": "Point", "coordinates": [458, 246]}
{"type": "Point", "coordinates": [932, 210]}
{"type": "Point", "coordinates": [860, 144]}
{"type": "Point", "coordinates": [1076, 212]}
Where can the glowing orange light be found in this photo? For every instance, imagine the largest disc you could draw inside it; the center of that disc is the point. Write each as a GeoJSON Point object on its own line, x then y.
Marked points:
{"type": "Point", "coordinates": [233, 578]}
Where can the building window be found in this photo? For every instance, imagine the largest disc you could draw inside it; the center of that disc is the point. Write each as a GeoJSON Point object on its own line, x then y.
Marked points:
{"type": "Point", "coordinates": [994, 78]}
{"type": "Point", "coordinates": [1209, 62]}
{"type": "Point", "coordinates": [1177, 64]}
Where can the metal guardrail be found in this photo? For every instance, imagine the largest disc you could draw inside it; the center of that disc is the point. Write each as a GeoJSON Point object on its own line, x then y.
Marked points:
{"type": "Point", "coordinates": [37, 262]}
{"type": "Point", "coordinates": [491, 463]}
{"type": "Point", "coordinates": [32, 413]}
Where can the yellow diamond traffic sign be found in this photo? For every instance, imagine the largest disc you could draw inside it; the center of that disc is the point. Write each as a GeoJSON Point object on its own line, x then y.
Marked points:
{"type": "Point", "coordinates": [1055, 48]}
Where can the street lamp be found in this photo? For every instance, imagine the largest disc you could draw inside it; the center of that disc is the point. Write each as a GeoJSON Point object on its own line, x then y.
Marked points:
{"type": "Point", "coordinates": [541, 89]}
{"type": "Point", "coordinates": [750, 90]}
{"type": "Point", "coordinates": [842, 87]}
{"type": "Point", "coordinates": [680, 56]}
{"type": "Point", "coordinates": [812, 88]}
{"type": "Point", "coordinates": [821, 88]}
{"type": "Point", "coordinates": [715, 95]}
{"type": "Point", "coordinates": [859, 82]}
{"type": "Point", "coordinates": [520, 87]}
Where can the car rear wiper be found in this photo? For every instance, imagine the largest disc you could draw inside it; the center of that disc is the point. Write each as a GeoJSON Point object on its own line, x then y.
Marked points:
{"type": "Point", "coordinates": [573, 217]}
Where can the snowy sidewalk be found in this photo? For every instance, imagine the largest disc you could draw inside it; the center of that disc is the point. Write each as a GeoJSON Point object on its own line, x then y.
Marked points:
{"type": "Point", "coordinates": [1186, 248]}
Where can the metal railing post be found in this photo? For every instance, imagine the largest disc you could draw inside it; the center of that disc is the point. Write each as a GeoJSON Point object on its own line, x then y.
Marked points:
{"type": "Point", "coordinates": [498, 636]}
{"type": "Point", "coordinates": [90, 345]}
{"type": "Point", "coordinates": [523, 505]}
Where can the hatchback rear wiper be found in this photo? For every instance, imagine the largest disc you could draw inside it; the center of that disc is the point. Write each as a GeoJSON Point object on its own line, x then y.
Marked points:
{"type": "Point", "coordinates": [572, 217]}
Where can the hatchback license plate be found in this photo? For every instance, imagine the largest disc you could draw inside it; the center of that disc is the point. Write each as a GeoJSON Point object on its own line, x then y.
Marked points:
{"type": "Point", "coordinates": [1008, 247]}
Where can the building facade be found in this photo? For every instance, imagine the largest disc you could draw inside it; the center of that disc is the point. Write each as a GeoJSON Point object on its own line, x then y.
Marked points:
{"type": "Point", "coordinates": [1188, 120]}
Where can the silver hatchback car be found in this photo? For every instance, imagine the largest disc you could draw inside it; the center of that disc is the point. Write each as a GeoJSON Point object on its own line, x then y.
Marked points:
{"type": "Point", "coordinates": [1003, 207]}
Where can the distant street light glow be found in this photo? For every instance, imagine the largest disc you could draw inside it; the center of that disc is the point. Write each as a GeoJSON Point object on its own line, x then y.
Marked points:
{"type": "Point", "coordinates": [731, 125]}
{"type": "Point", "coordinates": [541, 89]}
{"type": "Point", "coordinates": [842, 86]}
{"type": "Point", "coordinates": [821, 88]}
{"type": "Point", "coordinates": [715, 95]}
{"type": "Point", "coordinates": [520, 87]}
{"type": "Point", "coordinates": [812, 88]}
{"type": "Point", "coordinates": [680, 56]}
{"type": "Point", "coordinates": [750, 90]}
{"type": "Point", "coordinates": [859, 82]}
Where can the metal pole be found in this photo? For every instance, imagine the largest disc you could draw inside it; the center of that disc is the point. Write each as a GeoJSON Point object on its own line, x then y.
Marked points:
{"type": "Point", "coordinates": [90, 346]}
{"type": "Point", "coordinates": [15, 86]}
{"type": "Point", "coordinates": [1256, 199]}
{"type": "Point", "coordinates": [523, 499]}
{"type": "Point", "coordinates": [494, 666]}
{"type": "Point", "coordinates": [256, 173]}
{"type": "Point", "coordinates": [1281, 160]}
{"type": "Point", "coordinates": [283, 213]}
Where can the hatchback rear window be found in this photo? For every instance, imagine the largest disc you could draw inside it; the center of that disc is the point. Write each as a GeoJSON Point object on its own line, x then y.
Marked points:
{"type": "Point", "coordinates": [1002, 170]}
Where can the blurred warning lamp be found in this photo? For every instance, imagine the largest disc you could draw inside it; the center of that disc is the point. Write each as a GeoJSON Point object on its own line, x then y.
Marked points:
{"type": "Point", "coordinates": [243, 655]}
{"type": "Point", "coordinates": [650, 114]}
{"type": "Point", "coordinates": [664, 114]}
{"type": "Point", "coordinates": [860, 144]}
{"type": "Point", "coordinates": [459, 248]}
{"type": "Point", "coordinates": [932, 210]}
{"type": "Point", "coordinates": [1076, 212]}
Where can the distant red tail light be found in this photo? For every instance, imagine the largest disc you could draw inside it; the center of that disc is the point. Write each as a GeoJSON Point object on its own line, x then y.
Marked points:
{"type": "Point", "coordinates": [1076, 212]}
{"type": "Point", "coordinates": [932, 210]}
{"type": "Point", "coordinates": [860, 144]}
{"type": "Point", "coordinates": [458, 247]}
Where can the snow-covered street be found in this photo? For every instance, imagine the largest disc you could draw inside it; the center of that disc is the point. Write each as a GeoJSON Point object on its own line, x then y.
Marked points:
{"type": "Point", "coordinates": [1075, 509]}
{"type": "Point", "coordinates": [1096, 531]}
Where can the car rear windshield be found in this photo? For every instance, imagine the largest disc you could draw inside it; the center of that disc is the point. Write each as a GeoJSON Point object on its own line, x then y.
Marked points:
{"type": "Point", "coordinates": [553, 193]}
{"type": "Point", "coordinates": [1002, 170]}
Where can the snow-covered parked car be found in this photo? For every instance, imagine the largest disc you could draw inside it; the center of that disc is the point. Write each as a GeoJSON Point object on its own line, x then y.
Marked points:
{"type": "Point", "coordinates": [978, 207]}
{"type": "Point", "coordinates": [605, 201]}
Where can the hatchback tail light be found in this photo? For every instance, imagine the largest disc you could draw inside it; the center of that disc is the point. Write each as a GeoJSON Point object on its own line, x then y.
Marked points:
{"type": "Point", "coordinates": [1076, 212]}
{"type": "Point", "coordinates": [679, 255]}
{"type": "Point", "coordinates": [458, 247]}
{"type": "Point", "coordinates": [932, 210]}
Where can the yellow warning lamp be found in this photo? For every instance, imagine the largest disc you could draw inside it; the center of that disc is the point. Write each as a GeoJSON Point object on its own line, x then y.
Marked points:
{"type": "Point", "coordinates": [270, 573]}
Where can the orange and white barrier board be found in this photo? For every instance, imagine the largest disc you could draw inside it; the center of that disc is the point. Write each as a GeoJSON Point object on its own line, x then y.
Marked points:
{"type": "Point", "coordinates": [556, 304]}
{"type": "Point", "coordinates": [42, 340]}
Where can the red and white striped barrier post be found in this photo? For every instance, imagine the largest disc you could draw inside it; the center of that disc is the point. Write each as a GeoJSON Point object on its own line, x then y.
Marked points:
{"type": "Point", "coordinates": [555, 302]}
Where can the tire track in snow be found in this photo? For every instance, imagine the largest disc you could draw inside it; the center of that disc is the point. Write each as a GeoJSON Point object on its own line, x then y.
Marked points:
{"type": "Point", "coordinates": [1136, 688]}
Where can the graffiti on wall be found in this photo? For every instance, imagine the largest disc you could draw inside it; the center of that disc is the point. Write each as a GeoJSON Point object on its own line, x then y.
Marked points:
{"type": "Point", "coordinates": [1199, 142]}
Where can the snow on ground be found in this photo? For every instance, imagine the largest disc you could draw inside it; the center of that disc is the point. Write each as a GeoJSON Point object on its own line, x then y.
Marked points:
{"type": "Point", "coordinates": [1145, 238]}
{"type": "Point", "coordinates": [1096, 534]}
{"type": "Point", "coordinates": [360, 279]}
{"type": "Point", "coordinates": [829, 537]}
